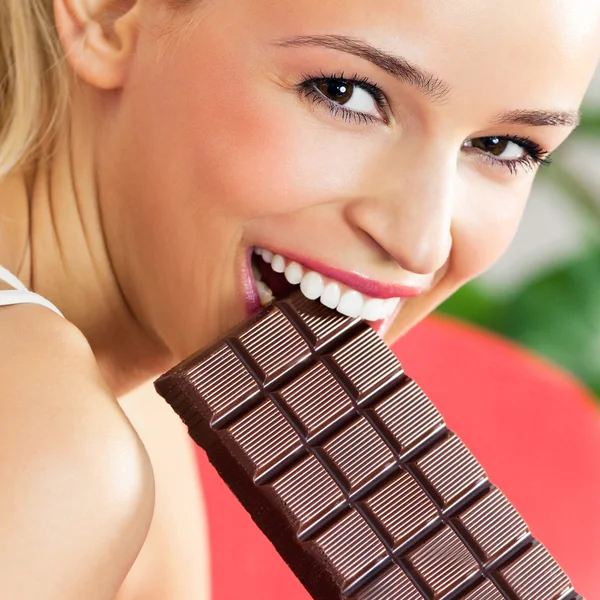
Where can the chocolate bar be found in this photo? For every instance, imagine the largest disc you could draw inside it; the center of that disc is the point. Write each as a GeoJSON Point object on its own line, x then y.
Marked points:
{"type": "Point", "coordinates": [349, 469]}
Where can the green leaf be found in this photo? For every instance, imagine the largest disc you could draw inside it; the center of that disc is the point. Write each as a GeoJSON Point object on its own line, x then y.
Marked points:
{"type": "Point", "coordinates": [590, 123]}
{"type": "Point", "coordinates": [472, 303]}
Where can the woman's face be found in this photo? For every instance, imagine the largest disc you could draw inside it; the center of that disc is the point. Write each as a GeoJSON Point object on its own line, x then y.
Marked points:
{"type": "Point", "coordinates": [237, 127]}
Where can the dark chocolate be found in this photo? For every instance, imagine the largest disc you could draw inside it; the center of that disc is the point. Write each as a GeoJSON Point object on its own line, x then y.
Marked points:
{"type": "Point", "coordinates": [349, 469]}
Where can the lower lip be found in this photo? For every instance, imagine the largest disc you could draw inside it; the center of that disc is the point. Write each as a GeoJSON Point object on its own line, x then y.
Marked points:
{"type": "Point", "coordinates": [251, 300]}
{"type": "Point", "coordinates": [254, 305]}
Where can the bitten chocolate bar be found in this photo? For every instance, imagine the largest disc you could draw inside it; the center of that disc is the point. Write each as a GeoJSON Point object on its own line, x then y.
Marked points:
{"type": "Point", "coordinates": [349, 469]}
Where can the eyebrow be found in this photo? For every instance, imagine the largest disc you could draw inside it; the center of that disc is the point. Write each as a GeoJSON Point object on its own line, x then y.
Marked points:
{"type": "Point", "coordinates": [429, 84]}
{"type": "Point", "coordinates": [398, 67]}
{"type": "Point", "coordinates": [540, 118]}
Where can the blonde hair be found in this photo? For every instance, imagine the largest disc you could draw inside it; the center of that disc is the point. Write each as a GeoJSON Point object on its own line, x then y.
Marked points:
{"type": "Point", "coordinates": [33, 83]}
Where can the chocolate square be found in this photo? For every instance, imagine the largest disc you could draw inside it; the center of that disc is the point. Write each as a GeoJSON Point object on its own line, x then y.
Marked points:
{"type": "Point", "coordinates": [442, 562]}
{"type": "Point", "coordinates": [317, 399]}
{"type": "Point", "coordinates": [408, 415]}
{"type": "Point", "coordinates": [508, 527]}
{"type": "Point", "coordinates": [320, 324]}
{"type": "Point", "coordinates": [351, 547]}
{"type": "Point", "coordinates": [308, 492]}
{"type": "Point", "coordinates": [358, 453]}
{"type": "Point", "coordinates": [222, 381]}
{"type": "Point", "coordinates": [402, 507]}
{"type": "Point", "coordinates": [535, 575]}
{"type": "Point", "coordinates": [450, 470]}
{"type": "Point", "coordinates": [367, 363]}
{"type": "Point", "coordinates": [266, 437]}
{"type": "Point", "coordinates": [263, 342]}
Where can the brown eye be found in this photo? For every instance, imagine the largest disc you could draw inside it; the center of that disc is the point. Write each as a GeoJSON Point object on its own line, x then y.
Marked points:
{"type": "Point", "coordinates": [502, 147]}
{"type": "Point", "coordinates": [349, 99]}
{"type": "Point", "coordinates": [492, 145]}
{"type": "Point", "coordinates": [510, 151]}
{"type": "Point", "coordinates": [337, 90]}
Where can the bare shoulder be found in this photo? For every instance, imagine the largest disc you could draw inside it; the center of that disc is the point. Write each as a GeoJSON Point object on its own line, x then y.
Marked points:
{"type": "Point", "coordinates": [174, 562]}
{"type": "Point", "coordinates": [77, 484]}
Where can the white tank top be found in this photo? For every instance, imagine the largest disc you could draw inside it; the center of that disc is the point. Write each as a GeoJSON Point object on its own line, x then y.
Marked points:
{"type": "Point", "coordinates": [21, 295]}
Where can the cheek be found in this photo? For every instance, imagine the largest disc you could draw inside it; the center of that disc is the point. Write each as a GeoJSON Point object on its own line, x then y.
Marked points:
{"type": "Point", "coordinates": [485, 222]}
{"type": "Point", "coordinates": [263, 158]}
{"type": "Point", "coordinates": [248, 145]}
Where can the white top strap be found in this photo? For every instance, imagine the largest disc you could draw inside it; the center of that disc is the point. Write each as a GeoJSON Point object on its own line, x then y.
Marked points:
{"type": "Point", "coordinates": [21, 295]}
{"type": "Point", "coordinates": [10, 297]}
{"type": "Point", "coordinates": [12, 280]}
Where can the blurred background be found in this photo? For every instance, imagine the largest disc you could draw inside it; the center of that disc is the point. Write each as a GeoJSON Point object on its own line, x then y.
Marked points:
{"type": "Point", "coordinates": [544, 293]}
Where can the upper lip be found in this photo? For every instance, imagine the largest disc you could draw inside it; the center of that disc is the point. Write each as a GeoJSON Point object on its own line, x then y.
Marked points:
{"type": "Point", "coordinates": [361, 283]}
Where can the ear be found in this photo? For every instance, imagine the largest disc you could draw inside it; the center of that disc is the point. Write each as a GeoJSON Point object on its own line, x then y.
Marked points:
{"type": "Point", "coordinates": [98, 38]}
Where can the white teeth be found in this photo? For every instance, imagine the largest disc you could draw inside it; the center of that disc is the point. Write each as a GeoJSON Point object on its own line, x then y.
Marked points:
{"type": "Point", "coordinates": [264, 293]}
{"type": "Point", "coordinates": [267, 255]}
{"type": "Point", "coordinates": [278, 263]}
{"type": "Point", "coordinates": [294, 273]}
{"type": "Point", "coordinates": [392, 303]}
{"type": "Point", "coordinates": [373, 309]}
{"type": "Point", "coordinates": [351, 303]}
{"type": "Point", "coordinates": [312, 285]}
{"type": "Point", "coordinates": [331, 295]}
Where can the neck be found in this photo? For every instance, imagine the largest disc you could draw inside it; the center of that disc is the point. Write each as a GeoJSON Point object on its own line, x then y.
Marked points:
{"type": "Point", "coordinates": [55, 245]}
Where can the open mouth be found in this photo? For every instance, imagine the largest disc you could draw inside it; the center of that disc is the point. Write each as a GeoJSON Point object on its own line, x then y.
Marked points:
{"type": "Point", "coordinates": [276, 276]}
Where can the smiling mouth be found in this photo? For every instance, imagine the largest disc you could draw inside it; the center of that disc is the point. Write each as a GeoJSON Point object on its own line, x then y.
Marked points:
{"type": "Point", "coordinates": [276, 276]}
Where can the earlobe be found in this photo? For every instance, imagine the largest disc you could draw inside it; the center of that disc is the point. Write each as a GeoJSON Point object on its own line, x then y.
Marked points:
{"type": "Point", "coordinates": [98, 38]}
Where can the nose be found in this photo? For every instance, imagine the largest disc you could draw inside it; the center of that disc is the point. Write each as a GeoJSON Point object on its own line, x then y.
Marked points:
{"type": "Point", "coordinates": [409, 209]}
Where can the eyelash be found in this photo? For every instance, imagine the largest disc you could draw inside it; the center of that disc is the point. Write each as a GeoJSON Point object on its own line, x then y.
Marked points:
{"type": "Point", "coordinates": [535, 154]}
{"type": "Point", "coordinates": [308, 89]}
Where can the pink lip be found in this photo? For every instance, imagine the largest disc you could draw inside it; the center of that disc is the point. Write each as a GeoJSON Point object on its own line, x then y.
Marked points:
{"type": "Point", "coordinates": [362, 284]}
{"type": "Point", "coordinates": [253, 304]}
{"type": "Point", "coordinates": [251, 299]}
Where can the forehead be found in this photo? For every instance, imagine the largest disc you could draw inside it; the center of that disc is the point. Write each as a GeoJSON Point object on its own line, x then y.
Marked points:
{"type": "Point", "coordinates": [538, 47]}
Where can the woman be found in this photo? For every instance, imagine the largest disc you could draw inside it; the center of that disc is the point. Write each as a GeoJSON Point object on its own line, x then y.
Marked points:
{"type": "Point", "coordinates": [384, 150]}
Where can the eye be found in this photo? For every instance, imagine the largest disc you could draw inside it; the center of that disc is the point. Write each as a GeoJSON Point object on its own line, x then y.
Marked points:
{"type": "Point", "coordinates": [352, 98]}
{"type": "Point", "coordinates": [511, 152]}
{"type": "Point", "coordinates": [348, 95]}
{"type": "Point", "coordinates": [502, 148]}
